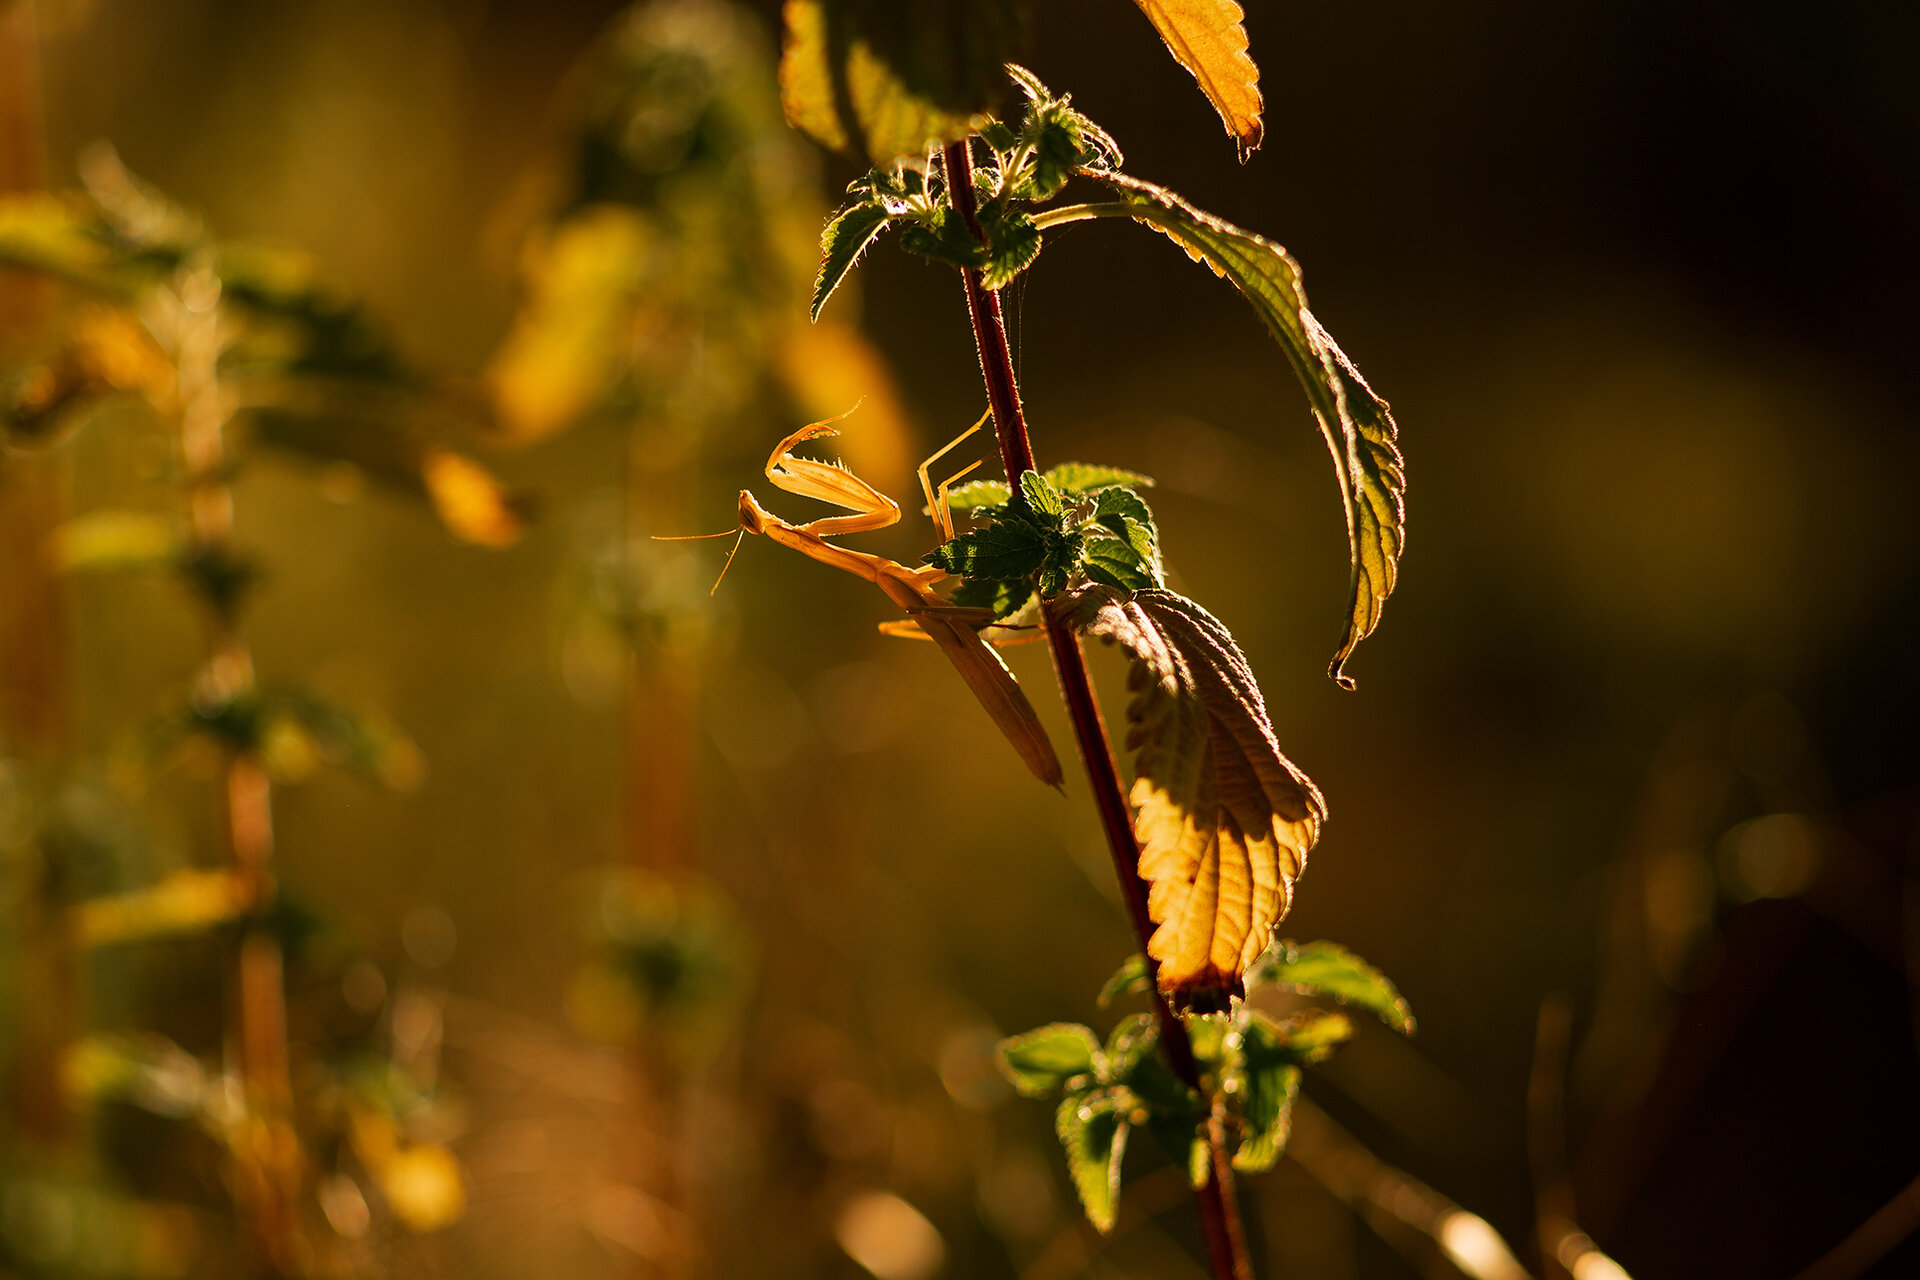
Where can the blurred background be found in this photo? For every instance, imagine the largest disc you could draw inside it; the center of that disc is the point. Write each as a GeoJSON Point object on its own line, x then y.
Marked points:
{"type": "Point", "coordinates": [682, 945]}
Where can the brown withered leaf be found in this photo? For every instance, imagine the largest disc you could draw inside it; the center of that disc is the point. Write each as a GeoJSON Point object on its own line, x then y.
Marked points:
{"type": "Point", "coordinates": [1207, 38]}
{"type": "Point", "coordinates": [1223, 819]}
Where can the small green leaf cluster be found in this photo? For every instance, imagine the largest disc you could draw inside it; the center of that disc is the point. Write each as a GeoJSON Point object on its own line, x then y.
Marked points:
{"type": "Point", "coordinates": [1029, 164]}
{"type": "Point", "coordinates": [291, 731]}
{"type": "Point", "coordinates": [1250, 1059]}
{"type": "Point", "coordinates": [1076, 522]}
{"type": "Point", "coordinates": [1108, 1090]}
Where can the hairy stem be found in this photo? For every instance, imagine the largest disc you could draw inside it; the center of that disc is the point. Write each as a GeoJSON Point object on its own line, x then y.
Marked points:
{"type": "Point", "coordinates": [1219, 1211]}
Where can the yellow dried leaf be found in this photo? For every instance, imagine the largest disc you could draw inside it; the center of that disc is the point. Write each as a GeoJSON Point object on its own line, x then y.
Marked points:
{"type": "Point", "coordinates": [1207, 38]}
{"type": "Point", "coordinates": [184, 902]}
{"type": "Point", "coordinates": [424, 1186]}
{"type": "Point", "coordinates": [116, 540]}
{"type": "Point", "coordinates": [115, 349]}
{"type": "Point", "coordinates": [469, 501]}
{"type": "Point", "coordinates": [569, 340]}
{"type": "Point", "coordinates": [1223, 819]}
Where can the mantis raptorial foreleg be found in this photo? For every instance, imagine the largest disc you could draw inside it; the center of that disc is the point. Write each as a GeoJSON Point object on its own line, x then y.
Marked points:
{"type": "Point", "coordinates": [911, 589]}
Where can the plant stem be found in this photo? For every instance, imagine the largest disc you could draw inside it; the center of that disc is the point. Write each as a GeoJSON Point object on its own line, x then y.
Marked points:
{"type": "Point", "coordinates": [1060, 215]}
{"type": "Point", "coordinates": [34, 713]}
{"type": "Point", "coordinates": [1219, 1211]}
{"type": "Point", "coordinates": [266, 1148]}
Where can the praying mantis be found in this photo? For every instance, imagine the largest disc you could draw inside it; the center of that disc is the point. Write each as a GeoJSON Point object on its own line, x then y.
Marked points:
{"type": "Point", "coordinates": [952, 628]}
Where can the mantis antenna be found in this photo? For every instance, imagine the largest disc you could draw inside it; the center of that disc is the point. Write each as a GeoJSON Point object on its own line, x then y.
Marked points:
{"type": "Point", "coordinates": [738, 534]}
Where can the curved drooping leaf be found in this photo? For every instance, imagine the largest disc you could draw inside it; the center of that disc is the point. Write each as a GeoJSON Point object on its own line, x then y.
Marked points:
{"type": "Point", "coordinates": [1093, 1132]}
{"type": "Point", "coordinates": [890, 79]}
{"type": "Point", "coordinates": [841, 245]}
{"type": "Point", "coordinates": [1269, 1081]}
{"type": "Point", "coordinates": [1357, 424]}
{"type": "Point", "coordinates": [1329, 969]}
{"type": "Point", "coordinates": [1207, 38]}
{"type": "Point", "coordinates": [1224, 820]}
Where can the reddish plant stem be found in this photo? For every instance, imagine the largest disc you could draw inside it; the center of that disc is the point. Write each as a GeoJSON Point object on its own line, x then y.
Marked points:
{"type": "Point", "coordinates": [1219, 1211]}
{"type": "Point", "coordinates": [268, 1154]}
{"type": "Point", "coordinates": [34, 712]}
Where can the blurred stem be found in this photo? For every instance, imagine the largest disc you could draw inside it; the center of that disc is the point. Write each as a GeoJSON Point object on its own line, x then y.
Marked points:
{"type": "Point", "coordinates": [661, 689]}
{"type": "Point", "coordinates": [1219, 1210]}
{"type": "Point", "coordinates": [1872, 1240]}
{"type": "Point", "coordinates": [33, 679]}
{"type": "Point", "coordinates": [1553, 1205]}
{"type": "Point", "coordinates": [1427, 1229]}
{"type": "Point", "coordinates": [266, 1148]}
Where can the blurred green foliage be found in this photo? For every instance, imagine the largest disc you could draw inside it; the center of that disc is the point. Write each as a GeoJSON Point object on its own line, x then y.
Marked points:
{"type": "Point", "coordinates": [1640, 722]}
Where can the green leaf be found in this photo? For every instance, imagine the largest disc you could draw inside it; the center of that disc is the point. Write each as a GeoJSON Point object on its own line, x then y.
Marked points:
{"type": "Point", "coordinates": [1041, 497]}
{"type": "Point", "coordinates": [1056, 154]}
{"type": "Point", "coordinates": [978, 493]}
{"type": "Point", "coordinates": [893, 80]}
{"type": "Point", "coordinates": [1046, 1059]}
{"type": "Point", "coordinates": [1005, 550]}
{"type": "Point", "coordinates": [358, 740]}
{"type": "Point", "coordinates": [1002, 599]}
{"type": "Point", "coordinates": [1210, 1038]}
{"type": "Point", "coordinates": [1130, 1042]}
{"type": "Point", "coordinates": [1057, 141]}
{"type": "Point", "coordinates": [1175, 1114]}
{"type": "Point", "coordinates": [1013, 242]}
{"type": "Point", "coordinates": [1310, 1037]}
{"type": "Point", "coordinates": [1329, 969]}
{"type": "Point", "coordinates": [1091, 477]}
{"type": "Point", "coordinates": [1065, 558]}
{"type": "Point", "coordinates": [1130, 979]}
{"type": "Point", "coordinates": [1116, 564]}
{"type": "Point", "coordinates": [1224, 820]}
{"type": "Point", "coordinates": [1000, 137]}
{"type": "Point", "coordinates": [1357, 425]}
{"type": "Point", "coordinates": [845, 239]}
{"type": "Point", "coordinates": [1093, 1132]}
{"type": "Point", "coordinates": [1124, 514]}
{"type": "Point", "coordinates": [1376, 506]}
{"type": "Point", "coordinates": [1264, 1089]}
{"type": "Point", "coordinates": [944, 236]}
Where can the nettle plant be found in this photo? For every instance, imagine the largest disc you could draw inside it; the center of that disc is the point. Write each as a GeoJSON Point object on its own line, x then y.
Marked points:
{"type": "Point", "coordinates": [156, 326]}
{"type": "Point", "coordinates": [1214, 833]}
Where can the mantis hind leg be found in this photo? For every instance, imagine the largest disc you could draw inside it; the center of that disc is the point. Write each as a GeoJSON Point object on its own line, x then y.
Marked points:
{"type": "Point", "coordinates": [937, 505]}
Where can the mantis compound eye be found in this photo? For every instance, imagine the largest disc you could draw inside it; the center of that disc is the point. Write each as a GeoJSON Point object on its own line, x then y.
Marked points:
{"type": "Point", "coordinates": [752, 518]}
